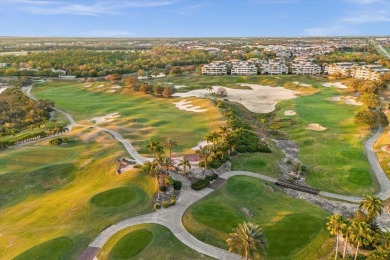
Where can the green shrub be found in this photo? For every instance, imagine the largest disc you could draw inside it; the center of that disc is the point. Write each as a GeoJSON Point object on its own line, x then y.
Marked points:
{"type": "Point", "coordinates": [166, 204]}
{"type": "Point", "coordinates": [157, 206]}
{"type": "Point", "coordinates": [201, 164]}
{"type": "Point", "coordinates": [163, 188]}
{"type": "Point", "coordinates": [201, 184]}
{"type": "Point", "coordinates": [209, 178]}
{"type": "Point", "coordinates": [177, 185]}
{"type": "Point", "coordinates": [172, 201]}
{"type": "Point", "coordinates": [137, 166]}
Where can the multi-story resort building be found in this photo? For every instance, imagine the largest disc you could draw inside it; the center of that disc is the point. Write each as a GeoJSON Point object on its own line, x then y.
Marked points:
{"type": "Point", "coordinates": [305, 68]}
{"type": "Point", "coordinates": [341, 68]}
{"type": "Point", "coordinates": [369, 72]}
{"type": "Point", "coordinates": [215, 68]}
{"type": "Point", "coordinates": [274, 67]}
{"type": "Point", "coordinates": [243, 68]}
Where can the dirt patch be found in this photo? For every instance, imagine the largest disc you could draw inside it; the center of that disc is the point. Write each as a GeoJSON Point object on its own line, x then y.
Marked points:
{"type": "Point", "coordinates": [290, 113]}
{"type": "Point", "coordinates": [315, 127]}
{"type": "Point", "coordinates": [106, 118]}
{"type": "Point", "coordinates": [187, 106]}
{"type": "Point", "coordinates": [386, 148]}
{"type": "Point", "coordinates": [335, 85]}
{"type": "Point", "coordinates": [258, 99]}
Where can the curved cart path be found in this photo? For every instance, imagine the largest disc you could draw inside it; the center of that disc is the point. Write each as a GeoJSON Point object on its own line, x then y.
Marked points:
{"type": "Point", "coordinates": [171, 217]}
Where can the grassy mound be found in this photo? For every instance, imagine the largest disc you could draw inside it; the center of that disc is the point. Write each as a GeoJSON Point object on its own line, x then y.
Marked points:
{"type": "Point", "coordinates": [114, 197]}
{"type": "Point", "coordinates": [58, 248]}
{"type": "Point", "coordinates": [131, 244]}
{"type": "Point", "coordinates": [293, 228]}
{"type": "Point", "coordinates": [154, 242]}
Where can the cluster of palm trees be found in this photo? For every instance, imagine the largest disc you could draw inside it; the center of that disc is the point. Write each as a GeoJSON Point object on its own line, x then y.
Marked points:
{"type": "Point", "coordinates": [361, 230]}
{"type": "Point", "coordinates": [246, 240]}
{"type": "Point", "coordinates": [223, 144]}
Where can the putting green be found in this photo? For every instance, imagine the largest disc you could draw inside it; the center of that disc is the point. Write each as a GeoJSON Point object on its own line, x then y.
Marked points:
{"type": "Point", "coordinates": [294, 229]}
{"type": "Point", "coordinates": [147, 241]}
{"type": "Point", "coordinates": [58, 248]}
{"type": "Point", "coordinates": [131, 244]}
{"type": "Point", "coordinates": [114, 197]}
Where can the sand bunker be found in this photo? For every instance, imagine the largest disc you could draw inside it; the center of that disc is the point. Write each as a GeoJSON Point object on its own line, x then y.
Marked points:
{"type": "Point", "coordinates": [106, 118]}
{"type": "Point", "coordinates": [203, 144]}
{"type": "Point", "coordinates": [290, 113]}
{"type": "Point", "coordinates": [334, 84]}
{"type": "Point", "coordinates": [301, 84]}
{"type": "Point", "coordinates": [111, 91]}
{"type": "Point", "coordinates": [116, 87]}
{"type": "Point", "coordinates": [2, 89]}
{"type": "Point", "coordinates": [87, 85]}
{"type": "Point", "coordinates": [180, 86]}
{"type": "Point", "coordinates": [335, 99]}
{"type": "Point", "coordinates": [352, 101]}
{"type": "Point", "coordinates": [100, 86]}
{"type": "Point", "coordinates": [186, 105]}
{"type": "Point", "coordinates": [386, 148]}
{"type": "Point", "coordinates": [315, 127]}
{"type": "Point", "coordinates": [259, 99]}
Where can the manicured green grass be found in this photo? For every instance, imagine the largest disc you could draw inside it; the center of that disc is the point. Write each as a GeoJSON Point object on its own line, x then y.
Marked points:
{"type": "Point", "coordinates": [383, 157]}
{"type": "Point", "coordinates": [336, 158]}
{"type": "Point", "coordinates": [131, 244]}
{"type": "Point", "coordinates": [294, 229]}
{"type": "Point", "coordinates": [45, 199]}
{"type": "Point", "coordinates": [142, 117]}
{"type": "Point", "coordinates": [265, 163]}
{"type": "Point", "coordinates": [115, 197]}
{"type": "Point", "coordinates": [147, 241]}
{"type": "Point", "coordinates": [58, 248]}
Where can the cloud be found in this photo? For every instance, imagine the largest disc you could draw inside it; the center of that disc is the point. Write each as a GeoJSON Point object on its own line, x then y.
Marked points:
{"type": "Point", "coordinates": [368, 17]}
{"type": "Point", "coordinates": [336, 30]}
{"type": "Point", "coordinates": [97, 8]}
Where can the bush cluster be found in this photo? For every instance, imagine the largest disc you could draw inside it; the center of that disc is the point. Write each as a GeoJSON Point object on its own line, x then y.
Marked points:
{"type": "Point", "coordinates": [176, 185]}
{"type": "Point", "coordinates": [201, 184]}
{"type": "Point", "coordinates": [211, 177]}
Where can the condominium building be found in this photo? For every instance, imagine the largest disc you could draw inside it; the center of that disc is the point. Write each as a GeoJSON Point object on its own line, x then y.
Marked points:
{"type": "Point", "coordinates": [274, 67]}
{"type": "Point", "coordinates": [305, 68]}
{"type": "Point", "coordinates": [243, 68]}
{"type": "Point", "coordinates": [215, 68]}
{"type": "Point", "coordinates": [369, 72]}
{"type": "Point", "coordinates": [341, 68]}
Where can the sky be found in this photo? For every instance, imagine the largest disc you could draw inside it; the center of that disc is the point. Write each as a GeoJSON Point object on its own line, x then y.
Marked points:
{"type": "Point", "coordinates": [194, 18]}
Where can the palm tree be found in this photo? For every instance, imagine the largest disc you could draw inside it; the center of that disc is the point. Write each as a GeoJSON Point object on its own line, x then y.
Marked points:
{"type": "Point", "coordinates": [153, 169]}
{"type": "Point", "coordinates": [246, 240]}
{"type": "Point", "coordinates": [185, 163]}
{"type": "Point", "coordinates": [165, 162]}
{"type": "Point", "coordinates": [361, 234]}
{"type": "Point", "coordinates": [346, 231]}
{"type": "Point", "coordinates": [224, 130]}
{"type": "Point", "coordinates": [204, 153]}
{"type": "Point", "coordinates": [155, 148]}
{"type": "Point", "coordinates": [230, 141]}
{"type": "Point", "coordinates": [334, 225]}
{"type": "Point", "coordinates": [372, 205]}
{"type": "Point", "coordinates": [170, 143]}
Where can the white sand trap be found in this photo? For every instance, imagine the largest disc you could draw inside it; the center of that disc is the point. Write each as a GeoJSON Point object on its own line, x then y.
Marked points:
{"type": "Point", "coordinates": [100, 86]}
{"type": "Point", "coordinates": [335, 99]}
{"type": "Point", "coordinates": [2, 90]}
{"type": "Point", "coordinates": [315, 127]}
{"type": "Point", "coordinates": [301, 84]}
{"type": "Point", "coordinates": [203, 144]}
{"type": "Point", "coordinates": [290, 113]}
{"type": "Point", "coordinates": [353, 102]}
{"type": "Point", "coordinates": [106, 118]}
{"type": "Point", "coordinates": [87, 85]}
{"type": "Point", "coordinates": [116, 87]}
{"type": "Point", "coordinates": [386, 148]}
{"type": "Point", "coordinates": [259, 99]}
{"type": "Point", "coordinates": [334, 84]}
{"type": "Point", "coordinates": [180, 86]}
{"type": "Point", "coordinates": [110, 91]}
{"type": "Point", "coordinates": [186, 105]}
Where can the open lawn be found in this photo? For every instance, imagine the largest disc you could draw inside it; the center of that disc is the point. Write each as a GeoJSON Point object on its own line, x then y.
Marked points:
{"type": "Point", "coordinates": [56, 199]}
{"type": "Point", "coordinates": [336, 158]}
{"type": "Point", "coordinates": [148, 241]}
{"type": "Point", "coordinates": [294, 229]}
{"type": "Point", "coordinates": [141, 117]}
{"type": "Point", "coordinates": [264, 163]}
